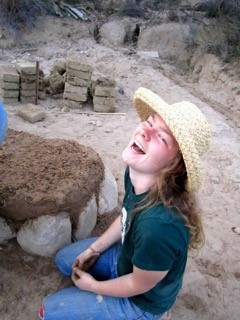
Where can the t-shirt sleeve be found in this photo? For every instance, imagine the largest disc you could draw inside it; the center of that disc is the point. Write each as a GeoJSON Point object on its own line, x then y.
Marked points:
{"type": "Point", "coordinates": [156, 244]}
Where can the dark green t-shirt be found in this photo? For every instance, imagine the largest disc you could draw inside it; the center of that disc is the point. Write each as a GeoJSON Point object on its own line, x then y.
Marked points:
{"type": "Point", "coordinates": [153, 239]}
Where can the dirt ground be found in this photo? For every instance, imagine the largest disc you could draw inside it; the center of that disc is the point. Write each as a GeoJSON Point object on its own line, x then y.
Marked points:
{"type": "Point", "coordinates": [211, 287]}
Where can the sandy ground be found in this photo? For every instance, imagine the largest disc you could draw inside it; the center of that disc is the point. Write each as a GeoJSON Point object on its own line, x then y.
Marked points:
{"type": "Point", "coordinates": [211, 287]}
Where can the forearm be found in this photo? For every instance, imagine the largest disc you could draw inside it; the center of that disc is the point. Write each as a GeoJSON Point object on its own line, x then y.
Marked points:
{"type": "Point", "coordinates": [122, 287]}
{"type": "Point", "coordinates": [109, 237]}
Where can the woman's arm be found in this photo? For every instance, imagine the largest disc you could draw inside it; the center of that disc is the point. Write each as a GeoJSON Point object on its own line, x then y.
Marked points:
{"type": "Point", "coordinates": [137, 282]}
{"type": "Point", "coordinates": [109, 237]}
{"type": "Point", "coordinates": [88, 257]}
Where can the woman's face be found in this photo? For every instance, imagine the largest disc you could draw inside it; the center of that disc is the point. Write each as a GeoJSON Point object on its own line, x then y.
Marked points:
{"type": "Point", "coordinates": [152, 146]}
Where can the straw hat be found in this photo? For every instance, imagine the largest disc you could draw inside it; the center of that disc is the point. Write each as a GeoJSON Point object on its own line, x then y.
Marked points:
{"type": "Point", "coordinates": [188, 125]}
{"type": "Point", "coordinates": [3, 122]}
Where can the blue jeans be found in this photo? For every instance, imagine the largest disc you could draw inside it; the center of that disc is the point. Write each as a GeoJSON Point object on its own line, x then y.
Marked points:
{"type": "Point", "coordinates": [75, 304]}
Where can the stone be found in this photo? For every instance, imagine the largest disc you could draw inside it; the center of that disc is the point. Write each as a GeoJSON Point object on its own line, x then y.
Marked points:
{"type": "Point", "coordinates": [99, 79]}
{"type": "Point", "coordinates": [79, 74]}
{"type": "Point", "coordinates": [69, 88]}
{"type": "Point", "coordinates": [26, 68]}
{"type": "Point", "coordinates": [59, 66]}
{"type": "Point", "coordinates": [42, 95]}
{"type": "Point", "coordinates": [6, 233]}
{"type": "Point", "coordinates": [56, 82]}
{"type": "Point", "coordinates": [102, 104]}
{"type": "Point", "coordinates": [28, 93]}
{"type": "Point", "coordinates": [27, 99]}
{"type": "Point", "coordinates": [57, 96]}
{"type": "Point", "coordinates": [77, 81]}
{"type": "Point", "coordinates": [75, 96]}
{"type": "Point", "coordinates": [28, 86]}
{"type": "Point", "coordinates": [28, 78]}
{"type": "Point", "coordinates": [87, 219]}
{"type": "Point", "coordinates": [9, 93]}
{"type": "Point", "coordinates": [108, 195]}
{"type": "Point", "coordinates": [45, 235]}
{"type": "Point", "coordinates": [9, 100]}
{"type": "Point", "coordinates": [70, 104]}
{"type": "Point", "coordinates": [76, 63]}
{"type": "Point", "coordinates": [102, 91]}
{"type": "Point", "coordinates": [9, 74]}
{"type": "Point", "coordinates": [9, 85]}
{"type": "Point", "coordinates": [31, 113]}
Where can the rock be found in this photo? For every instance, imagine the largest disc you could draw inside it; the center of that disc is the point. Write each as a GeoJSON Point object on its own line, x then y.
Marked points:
{"type": "Point", "coordinates": [56, 82]}
{"type": "Point", "coordinates": [77, 63]}
{"type": "Point", "coordinates": [79, 74]}
{"type": "Point", "coordinates": [6, 233]}
{"type": "Point", "coordinates": [45, 235]}
{"type": "Point", "coordinates": [102, 91]}
{"type": "Point", "coordinates": [69, 88]}
{"type": "Point", "coordinates": [75, 96]}
{"type": "Point", "coordinates": [59, 66]}
{"type": "Point", "coordinates": [87, 219]}
{"type": "Point", "coordinates": [27, 68]}
{"type": "Point", "coordinates": [42, 176]}
{"type": "Point", "coordinates": [9, 74]}
{"type": "Point", "coordinates": [236, 230]}
{"type": "Point", "coordinates": [108, 195]}
{"type": "Point", "coordinates": [31, 113]}
{"type": "Point", "coordinates": [103, 104]}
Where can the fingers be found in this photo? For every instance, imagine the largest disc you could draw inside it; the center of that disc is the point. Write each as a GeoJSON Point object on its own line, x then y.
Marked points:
{"type": "Point", "coordinates": [89, 262]}
{"type": "Point", "coordinates": [75, 264]}
{"type": "Point", "coordinates": [76, 274]}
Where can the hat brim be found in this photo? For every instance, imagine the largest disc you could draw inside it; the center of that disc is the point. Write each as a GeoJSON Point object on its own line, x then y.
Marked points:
{"type": "Point", "coordinates": [147, 103]}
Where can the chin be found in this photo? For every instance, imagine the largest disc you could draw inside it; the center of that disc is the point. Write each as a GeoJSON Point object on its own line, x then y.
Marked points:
{"type": "Point", "coordinates": [126, 156]}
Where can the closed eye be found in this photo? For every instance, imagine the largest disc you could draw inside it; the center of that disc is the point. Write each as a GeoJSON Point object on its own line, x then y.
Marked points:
{"type": "Point", "coordinates": [162, 138]}
{"type": "Point", "coordinates": [149, 123]}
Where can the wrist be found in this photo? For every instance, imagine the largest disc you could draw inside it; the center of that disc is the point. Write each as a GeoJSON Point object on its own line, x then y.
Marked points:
{"type": "Point", "coordinates": [94, 251]}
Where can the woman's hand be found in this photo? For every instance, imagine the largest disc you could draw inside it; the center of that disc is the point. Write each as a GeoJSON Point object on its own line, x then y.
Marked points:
{"type": "Point", "coordinates": [85, 260]}
{"type": "Point", "coordinates": [83, 280]}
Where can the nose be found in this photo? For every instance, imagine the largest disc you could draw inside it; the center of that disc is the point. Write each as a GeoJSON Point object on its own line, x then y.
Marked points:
{"type": "Point", "coordinates": [146, 133]}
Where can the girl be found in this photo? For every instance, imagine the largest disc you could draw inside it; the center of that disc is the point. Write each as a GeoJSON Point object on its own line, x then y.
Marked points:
{"type": "Point", "coordinates": [135, 269]}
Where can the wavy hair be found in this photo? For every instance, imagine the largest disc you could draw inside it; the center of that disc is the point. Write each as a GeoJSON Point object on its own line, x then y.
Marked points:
{"type": "Point", "coordinates": [171, 191]}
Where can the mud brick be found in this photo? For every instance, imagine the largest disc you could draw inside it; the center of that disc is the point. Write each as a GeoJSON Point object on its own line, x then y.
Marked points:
{"type": "Point", "coordinates": [9, 93]}
{"type": "Point", "coordinates": [101, 104]}
{"type": "Point", "coordinates": [78, 64]}
{"type": "Point", "coordinates": [75, 96]}
{"type": "Point", "coordinates": [101, 80]}
{"type": "Point", "coordinates": [31, 113]}
{"type": "Point", "coordinates": [9, 74]}
{"type": "Point", "coordinates": [9, 100]}
{"type": "Point", "coordinates": [101, 91]}
{"type": "Point", "coordinates": [59, 66]}
{"type": "Point", "coordinates": [70, 104]}
{"type": "Point", "coordinates": [28, 93]}
{"type": "Point", "coordinates": [26, 68]}
{"type": "Point", "coordinates": [79, 74]}
{"type": "Point", "coordinates": [28, 86]}
{"type": "Point", "coordinates": [75, 89]}
{"type": "Point", "coordinates": [27, 99]}
{"type": "Point", "coordinates": [28, 77]}
{"type": "Point", "coordinates": [77, 81]}
{"type": "Point", "coordinates": [9, 85]}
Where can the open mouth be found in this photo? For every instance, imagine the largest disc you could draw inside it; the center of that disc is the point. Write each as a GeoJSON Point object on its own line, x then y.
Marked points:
{"type": "Point", "coordinates": [136, 147]}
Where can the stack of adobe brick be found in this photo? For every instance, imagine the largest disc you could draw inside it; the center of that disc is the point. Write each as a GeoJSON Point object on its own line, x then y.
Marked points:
{"type": "Point", "coordinates": [78, 80]}
{"type": "Point", "coordinates": [103, 91]}
{"type": "Point", "coordinates": [9, 84]}
{"type": "Point", "coordinates": [27, 71]}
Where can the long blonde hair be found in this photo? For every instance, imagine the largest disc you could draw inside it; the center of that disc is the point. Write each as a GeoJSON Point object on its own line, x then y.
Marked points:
{"type": "Point", "coordinates": [170, 190]}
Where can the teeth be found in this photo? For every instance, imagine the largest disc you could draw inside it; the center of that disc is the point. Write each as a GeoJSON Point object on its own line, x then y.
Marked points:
{"type": "Point", "coordinates": [139, 146]}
